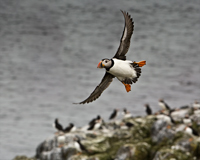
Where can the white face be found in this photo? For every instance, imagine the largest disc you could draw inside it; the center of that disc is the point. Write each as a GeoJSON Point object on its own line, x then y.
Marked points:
{"type": "Point", "coordinates": [106, 63]}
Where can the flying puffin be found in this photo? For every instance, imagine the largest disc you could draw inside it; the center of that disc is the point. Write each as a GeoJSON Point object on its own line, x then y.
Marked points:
{"type": "Point", "coordinates": [126, 71]}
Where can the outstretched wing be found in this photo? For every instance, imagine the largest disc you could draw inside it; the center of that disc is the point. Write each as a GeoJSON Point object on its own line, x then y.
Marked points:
{"type": "Point", "coordinates": [126, 36]}
{"type": "Point", "coordinates": [105, 82]}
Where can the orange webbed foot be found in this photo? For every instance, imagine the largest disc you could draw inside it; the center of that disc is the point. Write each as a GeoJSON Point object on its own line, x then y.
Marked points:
{"type": "Point", "coordinates": [127, 86]}
{"type": "Point", "coordinates": [141, 63]}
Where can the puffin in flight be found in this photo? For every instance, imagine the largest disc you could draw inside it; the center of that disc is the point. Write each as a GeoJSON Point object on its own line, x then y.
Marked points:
{"type": "Point", "coordinates": [126, 71]}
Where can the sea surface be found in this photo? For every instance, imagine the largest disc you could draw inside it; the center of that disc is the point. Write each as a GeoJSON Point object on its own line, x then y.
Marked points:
{"type": "Point", "coordinates": [49, 51]}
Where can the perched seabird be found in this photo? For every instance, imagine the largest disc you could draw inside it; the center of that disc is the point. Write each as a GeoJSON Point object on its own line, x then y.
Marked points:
{"type": "Point", "coordinates": [129, 124]}
{"type": "Point", "coordinates": [94, 119]}
{"type": "Point", "coordinates": [95, 125]}
{"type": "Point", "coordinates": [196, 105]}
{"type": "Point", "coordinates": [148, 109]}
{"type": "Point", "coordinates": [126, 71]}
{"type": "Point", "coordinates": [187, 120]}
{"type": "Point", "coordinates": [191, 131]}
{"type": "Point", "coordinates": [167, 118]}
{"type": "Point", "coordinates": [126, 113]}
{"type": "Point", "coordinates": [69, 128]}
{"type": "Point", "coordinates": [114, 114]}
{"type": "Point", "coordinates": [164, 105]}
{"type": "Point", "coordinates": [126, 125]}
{"type": "Point", "coordinates": [57, 125]}
{"type": "Point", "coordinates": [185, 107]}
{"type": "Point", "coordinates": [79, 146]}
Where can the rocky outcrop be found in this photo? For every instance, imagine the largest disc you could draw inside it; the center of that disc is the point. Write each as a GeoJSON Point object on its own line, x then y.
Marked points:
{"type": "Point", "coordinates": [153, 137]}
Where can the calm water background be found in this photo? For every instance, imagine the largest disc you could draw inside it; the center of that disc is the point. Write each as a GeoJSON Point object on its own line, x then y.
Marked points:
{"type": "Point", "coordinates": [49, 51]}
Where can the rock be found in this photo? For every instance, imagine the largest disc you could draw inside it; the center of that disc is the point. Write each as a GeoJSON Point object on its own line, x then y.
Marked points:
{"type": "Point", "coordinates": [179, 114]}
{"type": "Point", "coordinates": [161, 131]}
{"type": "Point", "coordinates": [23, 158]}
{"type": "Point", "coordinates": [137, 151]}
{"type": "Point", "coordinates": [149, 138]}
{"type": "Point", "coordinates": [170, 154]}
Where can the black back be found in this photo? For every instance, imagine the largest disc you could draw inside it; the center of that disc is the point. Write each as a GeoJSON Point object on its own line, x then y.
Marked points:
{"type": "Point", "coordinates": [58, 125]}
{"type": "Point", "coordinates": [68, 129]}
{"type": "Point", "coordinates": [82, 146]}
{"type": "Point", "coordinates": [113, 115]}
{"type": "Point", "coordinates": [148, 109]}
{"type": "Point", "coordinates": [129, 124]}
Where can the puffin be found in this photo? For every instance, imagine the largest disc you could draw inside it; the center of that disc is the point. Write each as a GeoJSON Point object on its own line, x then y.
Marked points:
{"type": "Point", "coordinates": [186, 120]}
{"type": "Point", "coordinates": [164, 105]}
{"type": "Point", "coordinates": [114, 114]}
{"type": "Point", "coordinates": [126, 113]}
{"type": "Point", "coordinates": [95, 125]}
{"type": "Point", "coordinates": [196, 105]}
{"type": "Point", "coordinates": [129, 124]}
{"type": "Point", "coordinates": [79, 146]}
{"type": "Point", "coordinates": [94, 120]}
{"type": "Point", "coordinates": [57, 125]}
{"type": "Point", "coordinates": [126, 125]}
{"type": "Point", "coordinates": [191, 131]}
{"type": "Point", "coordinates": [167, 118]}
{"type": "Point", "coordinates": [69, 128]}
{"type": "Point", "coordinates": [148, 109]}
{"type": "Point", "coordinates": [126, 71]}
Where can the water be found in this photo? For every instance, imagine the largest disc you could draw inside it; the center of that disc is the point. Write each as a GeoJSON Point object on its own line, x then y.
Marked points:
{"type": "Point", "coordinates": [49, 51]}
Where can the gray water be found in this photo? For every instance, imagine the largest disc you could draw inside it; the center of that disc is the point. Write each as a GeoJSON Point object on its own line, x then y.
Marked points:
{"type": "Point", "coordinates": [49, 51]}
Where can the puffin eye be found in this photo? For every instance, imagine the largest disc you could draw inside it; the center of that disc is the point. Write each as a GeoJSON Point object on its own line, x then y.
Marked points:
{"type": "Point", "coordinates": [106, 61]}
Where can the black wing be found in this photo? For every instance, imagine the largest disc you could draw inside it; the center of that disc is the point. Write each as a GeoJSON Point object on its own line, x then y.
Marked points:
{"type": "Point", "coordinates": [126, 37]}
{"type": "Point", "coordinates": [105, 82]}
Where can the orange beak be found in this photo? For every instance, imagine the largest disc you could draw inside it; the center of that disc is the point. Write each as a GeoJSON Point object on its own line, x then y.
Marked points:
{"type": "Point", "coordinates": [100, 65]}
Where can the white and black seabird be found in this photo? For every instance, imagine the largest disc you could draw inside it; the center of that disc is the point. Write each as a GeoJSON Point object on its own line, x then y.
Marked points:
{"type": "Point", "coordinates": [95, 125]}
{"type": "Point", "coordinates": [126, 113]}
{"type": "Point", "coordinates": [167, 118]}
{"type": "Point", "coordinates": [191, 131]}
{"type": "Point", "coordinates": [79, 146]}
{"type": "Point", "coordinates": [114, 114]}
{"type": "Point", "coordinates": [94, 120]}
{"type": "Point", "coordinates": [124, 70]}
{"type": "Point", "coordinates": [69, 128]}
{"type": "Point", "coordinates": [57, 125]}
{"type": "Point", "coordinates": [148, 109]}
{"type": "Point", "coordinates": [196, 105]}
{"type": "Point", "coordinates": [187, 120]}
{"type": "Point", "coordinates": [164, 105]}
{"type": "Point", "coordinates": [129, 124]}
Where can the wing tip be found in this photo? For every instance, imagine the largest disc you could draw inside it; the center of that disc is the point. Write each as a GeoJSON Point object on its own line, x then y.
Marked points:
{"type": "Point", "coordinates": [77, 103]}
{"type": "Point", "coordinates": [83, 102]}
{"type": "Point", "coordinates": [125, 13]}
{"type": "Point", "coordinates": [86, 101]}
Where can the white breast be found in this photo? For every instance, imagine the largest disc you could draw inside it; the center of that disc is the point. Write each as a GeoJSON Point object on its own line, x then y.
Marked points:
{"type": "Point", "coordinates": [162, 105]}
{"type": "Point", "coordinates": [122, 69]}
{"type": "Point", "coordinates": [77, 146]}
